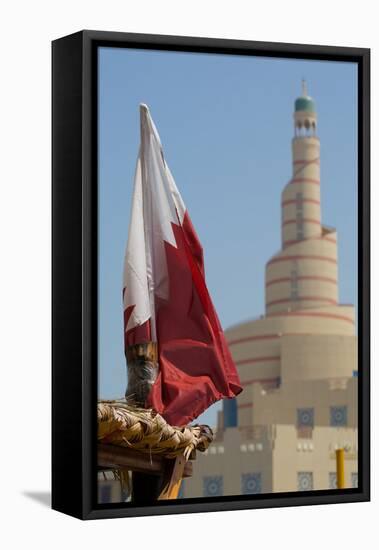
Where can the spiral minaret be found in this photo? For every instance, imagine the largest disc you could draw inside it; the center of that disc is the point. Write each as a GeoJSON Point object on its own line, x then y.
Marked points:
{"type": "Point", "coordinates": [305, 334]}
{"type": "Point", "coordinates": [304, 273]}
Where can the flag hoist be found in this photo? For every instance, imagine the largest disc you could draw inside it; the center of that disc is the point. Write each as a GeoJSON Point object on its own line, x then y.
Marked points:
{"type": "Point", "coordinates": [177, 356]}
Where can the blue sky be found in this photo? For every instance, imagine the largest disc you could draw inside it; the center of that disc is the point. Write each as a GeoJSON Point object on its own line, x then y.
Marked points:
{"type": "Point", "coordinates": [226, 127]}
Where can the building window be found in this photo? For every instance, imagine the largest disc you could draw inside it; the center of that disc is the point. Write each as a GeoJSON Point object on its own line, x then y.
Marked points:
{"type": "Point", "coordinates": [338, 416]}
{"type": "Point", "coordinates": [105, 494]}
{"type": "Point", "coordinates": [251, 484]}
{"type": "Point", "coordinates": [354, 480]}
{"type": "Point", "coordinates": [332, 480]}
{"type": "Point", "coordinates": [294, 290]}
{"type": "Point", "coordinates": [230, 413]}
{"type": "Point", "coordinates": [213, 486]}
{"type": "Point", "coordinates": [305, 417]}
{"type": "Point", "coordinates": [304, 481]}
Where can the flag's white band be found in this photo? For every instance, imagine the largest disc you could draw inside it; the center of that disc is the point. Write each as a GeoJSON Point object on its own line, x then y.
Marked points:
{"type": "Point", "coordinates": [156, 205]}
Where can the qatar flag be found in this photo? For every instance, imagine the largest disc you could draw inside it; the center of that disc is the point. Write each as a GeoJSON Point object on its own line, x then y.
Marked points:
{"type": "Point", "coordinates": [166, 299]}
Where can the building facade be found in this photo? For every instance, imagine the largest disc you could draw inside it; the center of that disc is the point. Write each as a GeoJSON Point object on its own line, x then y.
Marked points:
{"type": "Point", "coordinates": [297, 362]}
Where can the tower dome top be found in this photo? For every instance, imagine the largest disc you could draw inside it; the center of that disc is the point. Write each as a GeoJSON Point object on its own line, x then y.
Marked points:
{"type": "Point", "coordinates": [305, 102]}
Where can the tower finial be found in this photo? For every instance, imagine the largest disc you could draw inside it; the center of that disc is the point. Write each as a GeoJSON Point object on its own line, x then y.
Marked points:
{"type": "Point", "coordinates": [304, 87]}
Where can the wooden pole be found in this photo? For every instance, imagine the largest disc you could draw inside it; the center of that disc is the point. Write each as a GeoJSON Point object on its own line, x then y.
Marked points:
{"type": "Point", "coordinates": [340, 462]}
{"type": "Point", "coordinates": [172, 479]}
{"type": "Point", "coordinates": [143, 368]}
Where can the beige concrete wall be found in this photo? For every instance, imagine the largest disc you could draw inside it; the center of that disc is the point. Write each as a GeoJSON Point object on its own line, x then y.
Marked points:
{"type": "Point", "coordinates": [317, 356]}
{"type": "Point", "coordinates": [322, 320]}
{"type": "Point", "coordinates": [309, 269]}
{"type": "Point", "coordinates": [236, 454]}
{"type": "Point", "coordinates": [280, 406]}
{"type": "Point", "coordinates": [278, 454]}
{"type": "Point", "coordinates": [303, 275]}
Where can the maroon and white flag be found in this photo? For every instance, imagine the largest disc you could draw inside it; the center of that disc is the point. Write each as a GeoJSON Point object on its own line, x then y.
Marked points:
{"type": "Point", "coordinates": [165, 296]}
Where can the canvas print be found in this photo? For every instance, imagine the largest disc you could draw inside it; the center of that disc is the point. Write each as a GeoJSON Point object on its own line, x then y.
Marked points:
{"type": "Point", "coordinates": [227, 276]}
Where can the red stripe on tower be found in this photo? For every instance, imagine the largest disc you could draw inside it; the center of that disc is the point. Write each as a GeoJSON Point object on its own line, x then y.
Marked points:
{"type": "Point", "coordinates": [302, 299]}
{"type": "Point", "coordinates": [305, 180]}
{"type": "Point", "coordinates": [301, 201]}
{"type": "Point", "coordinates": [302, 278]}
{"type": "Point", "coordinates": [301, 220]}
{"type": "Point", "coordinates": [302, 257]}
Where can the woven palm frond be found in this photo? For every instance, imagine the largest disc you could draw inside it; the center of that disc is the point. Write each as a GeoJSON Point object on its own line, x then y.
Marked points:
{"type": "Point", "coordinates": [120, 423]}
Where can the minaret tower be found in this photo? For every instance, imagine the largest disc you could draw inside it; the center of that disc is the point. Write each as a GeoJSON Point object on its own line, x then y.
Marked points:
{"type": "Point", "coordinates": [305, 335]}
{"type": "Point", "coordinates": [304, 273]}
{"type": "Point", "coordinates": [301, 217]}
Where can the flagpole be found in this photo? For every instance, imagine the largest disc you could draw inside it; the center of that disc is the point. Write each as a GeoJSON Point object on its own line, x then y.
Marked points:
{"type": "Point", "coordinates": [142, 358]}
{"type": "Point", "coordinates": [147, 213]}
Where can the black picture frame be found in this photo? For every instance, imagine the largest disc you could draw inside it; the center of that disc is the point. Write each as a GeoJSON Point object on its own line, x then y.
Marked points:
{"type": "Point", "coordinates": [74, 271]}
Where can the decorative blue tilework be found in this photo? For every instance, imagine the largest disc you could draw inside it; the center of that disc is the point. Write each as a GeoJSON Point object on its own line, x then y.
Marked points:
{"type": "Point", "coordinates": [251, 484]}
{"type": "Point", "coordinates": [338, 416]}
{"type": "Point", "coordinates": [213, 486]}
{"type": "Point", "coordinates": [305, 417]}
{"type": "Point", "coordinates": [332, 480]}
{"type": "Point", "coordinates": [304, 481]}
{"type": "Point", "coordinates": [354, 480]}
